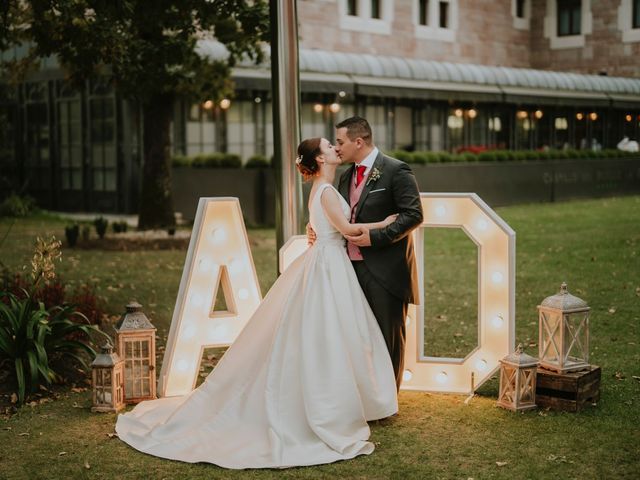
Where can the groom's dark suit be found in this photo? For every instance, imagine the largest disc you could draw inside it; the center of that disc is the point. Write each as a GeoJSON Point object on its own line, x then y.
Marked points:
{"type": "Point", "coordinates": [388, 272]}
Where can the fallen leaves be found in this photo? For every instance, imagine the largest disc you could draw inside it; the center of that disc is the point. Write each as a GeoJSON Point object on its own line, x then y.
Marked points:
{"type": "Point", "coordinates": [619, 376]}
{"type": "Point", "coordinates": [86, 465]}
{"type": "Point", "coordinates": [62, 454]}
{"type": "Point", "coordinates": [612, 310]}
{"type": "Point", "coordinates": [501, 464]}
{"type": "Point", "coordinates": [112, 435]}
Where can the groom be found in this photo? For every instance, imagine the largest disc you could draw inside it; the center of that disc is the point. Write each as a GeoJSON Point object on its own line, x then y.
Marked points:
{"type": "Point", "coordinates": [375, 187]}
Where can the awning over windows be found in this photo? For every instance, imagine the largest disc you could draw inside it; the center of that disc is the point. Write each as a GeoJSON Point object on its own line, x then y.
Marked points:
{"type": "Point", "coordinates": [377, 75]}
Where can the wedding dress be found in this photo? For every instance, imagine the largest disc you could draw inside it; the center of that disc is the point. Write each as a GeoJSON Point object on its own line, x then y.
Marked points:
{"type": "Point", "coordinates": [298, 385]}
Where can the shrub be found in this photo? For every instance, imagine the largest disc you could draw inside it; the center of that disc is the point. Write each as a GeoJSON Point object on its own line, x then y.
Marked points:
{"type": "Point", "coordinates": [501, 155]}
{"type": "Point", "coordinates": [181, 161]}
{"type": "Point", "coordinates": [101, 225]}
{"type": "Point", "coordinates": [17, 206]}
{"type": "Point", "coordinates": [531, 155]}
{"type": "Point", "coordinates": [420, 158]}
{"type": "Point", "coordinates": [32, 338]}
{"type": "Point", "coordinates": [487, 156]}
{"type": "Point", "coordinates": [403, 156]}
{"type": "Point", "coordinates": [445, 157]}
{"type": "Point", "coordinates": [230, 160]}
{"type": "Point", "coordinates": [432, 157]}
{"type": "Point", "coordinates": [120, 227]}
{"type": "Point", "coordinates": [207, 160]}
{"type": "Point", "coordinates": [257, 161]}
{"type": "Point", "coordinates": [468, 157]}
{"type": "Point", "coordinates": [71, 232]}
{"type": "Point", "coordinates": [88, 303]}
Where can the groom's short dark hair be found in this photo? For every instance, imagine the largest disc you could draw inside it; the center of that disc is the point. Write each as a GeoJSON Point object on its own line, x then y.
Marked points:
{"type": "Point", "coordinates": [357, 127]}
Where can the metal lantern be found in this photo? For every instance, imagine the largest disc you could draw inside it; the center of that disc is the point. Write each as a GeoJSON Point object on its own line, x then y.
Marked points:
{"type": "Point", "coordinates": [564, 332]}
{"type": "Point", "coordinates": [518, 381]}
{"type": "Point", "coordinates": [136, 338]}
{"type": "Point", "coordinates": [108, 382]}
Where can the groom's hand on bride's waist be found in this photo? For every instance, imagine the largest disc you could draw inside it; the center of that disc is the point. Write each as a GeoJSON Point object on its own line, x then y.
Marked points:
{"type": "Point", "coordinates": [311, 235]}
{"type": "Point", "coordinates": [362, 240]}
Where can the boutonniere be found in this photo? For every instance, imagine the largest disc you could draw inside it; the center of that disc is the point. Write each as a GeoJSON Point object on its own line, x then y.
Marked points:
{"type": "Point", "coordinates": [373, 176]}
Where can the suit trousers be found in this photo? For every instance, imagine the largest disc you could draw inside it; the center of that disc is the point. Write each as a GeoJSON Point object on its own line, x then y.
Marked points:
{"type": "Point", "coordinates": [390, 312]}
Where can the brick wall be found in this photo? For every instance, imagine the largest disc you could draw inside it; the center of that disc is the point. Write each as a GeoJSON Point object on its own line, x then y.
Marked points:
{"type": "Point", "coordinates": [604, 49]}
{"type": "Point", "coordinates": [486, 35]}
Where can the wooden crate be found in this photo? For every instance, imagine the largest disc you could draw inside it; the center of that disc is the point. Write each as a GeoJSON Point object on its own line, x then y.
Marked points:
{"type": "Point", "coordinates": [569, 392]}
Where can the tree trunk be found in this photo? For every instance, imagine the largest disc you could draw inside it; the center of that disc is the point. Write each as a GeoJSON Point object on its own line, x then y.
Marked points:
{"type": "Point", "coordinates": [156, 199]}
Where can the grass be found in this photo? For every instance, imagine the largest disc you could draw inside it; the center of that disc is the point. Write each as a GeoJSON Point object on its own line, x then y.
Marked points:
{"type": "Point", "coordinates": [593, 245]}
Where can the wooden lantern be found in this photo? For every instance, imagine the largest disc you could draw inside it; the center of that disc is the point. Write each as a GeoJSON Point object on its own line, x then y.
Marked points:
{"type": "Point", "coordinates": [564, 332]}
{"type": "Point", "coordinates": [136, 338]}
{"type": "Point", "coordinates": [108, 381]}
{"type": "Point", "coordinates": [518, 381]}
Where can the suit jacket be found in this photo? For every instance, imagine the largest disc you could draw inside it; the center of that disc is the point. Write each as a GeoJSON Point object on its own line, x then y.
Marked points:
{"type": "Point", "coordinates": [391, 256]}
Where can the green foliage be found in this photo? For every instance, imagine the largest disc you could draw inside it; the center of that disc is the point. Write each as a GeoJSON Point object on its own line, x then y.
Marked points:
{"type": "Point", "coordinates": [179, 161]}
{"type": "Point", "coordinates": [230, 160]}
{"type": "Point", "coordinates": [501, 155]}
{"type": "Point", "coordinates": [489, 156]}
{"type": "Point", "coordinates": [401, 155]}
{"type": "Point", "coordinates": [17, 206]}
{"type": "Point", "coordinates": [71, 232]}
{"type": "Point", "coordinates": [32, 338]}
{"type": "Point", "coordinates": [420, 158]}
{"type": "Point", "coordinates": [257, 161]}
{"type": "Point", "coordinates": [101, 225]}
{"type": "Point", "coordinates": [210, 160]}
{"type": "Point", "coordinates": [120, 227]}
{"type": "Point", "coordinates": [445, 157]}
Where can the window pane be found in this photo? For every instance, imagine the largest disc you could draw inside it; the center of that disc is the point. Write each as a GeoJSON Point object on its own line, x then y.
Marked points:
{"type": "Point", "coordinates": [444, 14]}
{"type": "Point", "coordinates": [375, 8]}
{"type": "Point", "coordinates": [352, 7]}
{"type": "Point", "coordinates": [423, 13]}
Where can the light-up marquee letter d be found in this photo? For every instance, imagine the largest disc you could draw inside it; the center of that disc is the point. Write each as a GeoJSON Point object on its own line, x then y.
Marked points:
{"type": "Point", "coordinates": [218, 257]}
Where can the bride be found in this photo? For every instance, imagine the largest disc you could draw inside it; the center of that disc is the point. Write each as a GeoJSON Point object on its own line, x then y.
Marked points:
{"type": "Point", "coordinates": [306, 373]}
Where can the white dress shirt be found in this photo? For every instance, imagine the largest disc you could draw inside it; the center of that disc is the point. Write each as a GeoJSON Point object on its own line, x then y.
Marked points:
{"type": "Point", "coordinates": [367, 162]}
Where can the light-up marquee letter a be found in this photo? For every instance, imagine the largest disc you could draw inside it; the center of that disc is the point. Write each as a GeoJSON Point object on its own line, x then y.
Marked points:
{"type": "Point", "coordinates": [219, 257]}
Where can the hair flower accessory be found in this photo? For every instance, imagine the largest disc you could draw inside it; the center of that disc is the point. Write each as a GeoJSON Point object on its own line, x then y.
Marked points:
{"type": "Point", "coordinates": [373, 176]}
{"type": "Point", "coordinates": [298, 160]}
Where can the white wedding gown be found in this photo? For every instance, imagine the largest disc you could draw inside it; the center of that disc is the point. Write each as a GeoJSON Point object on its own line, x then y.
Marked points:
{"type": "Point", "coordinates": [296, 387]}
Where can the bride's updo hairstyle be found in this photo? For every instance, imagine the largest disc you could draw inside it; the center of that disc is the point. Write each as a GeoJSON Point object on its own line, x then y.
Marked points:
{"type": "Point", "coordinates": [306, 162]}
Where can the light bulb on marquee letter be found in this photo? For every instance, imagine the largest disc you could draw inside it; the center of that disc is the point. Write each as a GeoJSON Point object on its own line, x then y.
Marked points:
{"type": "Point", "coordinates": [219, 243]}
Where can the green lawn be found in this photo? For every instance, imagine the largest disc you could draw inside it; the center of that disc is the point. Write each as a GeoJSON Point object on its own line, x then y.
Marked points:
{"type": "Point", "coordinates": [592, 245]}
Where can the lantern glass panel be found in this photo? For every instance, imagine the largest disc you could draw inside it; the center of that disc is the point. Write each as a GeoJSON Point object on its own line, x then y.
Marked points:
{"type": "Point", "coordinates": [527, 393]}
{"type": "Point", "coordinates": [508, 383]}
{"type": "Point", "coordinates": [576, 339]}
{"type": "Point", "coordinates": [551, 336]}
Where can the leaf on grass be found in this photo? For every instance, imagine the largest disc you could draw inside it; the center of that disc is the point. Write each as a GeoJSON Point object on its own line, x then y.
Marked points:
{"type": "Point", "coordinates": [24, 434]}
{"type": "Point", "coordinates": [14, 398]}
{"type": "Point", "coordinates": [86, 465]}
{"type": "Point", "coordinates": [112, 435]}
{"type": "Point", "coordinates": [619, 376]}
{"type": "Point", "coordinates": [76, 405]}
{"type": "Point", "coordinates": [78, 389]}
{"type": "Point", "coordinates": [60, 454]}
{"type": "Point", "coordinates": [635, 377]}
{"type": "Point", "coordinates": [501, 464]}
{"type": "Point", "coordinates": [612, 310]}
